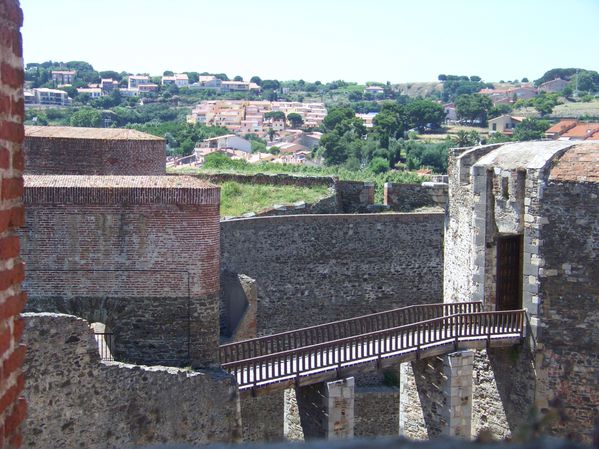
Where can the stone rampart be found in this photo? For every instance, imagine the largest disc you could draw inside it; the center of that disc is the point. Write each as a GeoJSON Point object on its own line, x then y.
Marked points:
{"type": "Point", "coordinates": [314, 269]}
{"type": "Point", "coordinates": [75, 400]}
{"type": "Point", "coordinates": [139, 254]}
{"type": "Point", "coordinates": [61, 150]}
{"type": "Point", "coordinates": [407, 197]}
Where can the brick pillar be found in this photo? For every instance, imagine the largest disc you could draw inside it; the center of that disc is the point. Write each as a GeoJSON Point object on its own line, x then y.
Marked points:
{"type": "Point", "coordinates": [327, 409]}
{"type": "Point", "coordinates": [12, 299]}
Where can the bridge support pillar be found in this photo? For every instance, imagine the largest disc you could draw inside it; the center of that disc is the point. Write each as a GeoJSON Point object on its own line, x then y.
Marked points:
{"type": "Point", "coordinates": [457, 389]}
{"type": "Point", "coordinates": [327, 409]}
{"type": "Point", "coordinates": [436, 396]}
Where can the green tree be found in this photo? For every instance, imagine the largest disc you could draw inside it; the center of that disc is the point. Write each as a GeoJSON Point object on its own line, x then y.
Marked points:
{"type": "Point", "coordinates": [336, 116]}
{"type": "Point", "coordinates": [466, 139]}
{"type": "Point", "coordinates": [256, 79]}
{"type": "Point", "coordinates": [530, 129]}
{"type": "Point", "coordinates": [390, 122]}
{"type": "Point", "coordinates": [295, 120]}
{"type": "Point", "coordinates": [473, 107]}
{"type": "Point", "coordinates": [500, 109]}
{"type": "Point", "coordinates": [275, 115]}
{"type": "Point", "coordinates": [168, 73]}
{"type": "Point", "coordinates": [86, 117]}
{"type": "Point", "coordinates": [238, 78]}
{"type": "Point", "coordinates": [423, 113]}
{"type": "Point", "coordinates": [379, 165]}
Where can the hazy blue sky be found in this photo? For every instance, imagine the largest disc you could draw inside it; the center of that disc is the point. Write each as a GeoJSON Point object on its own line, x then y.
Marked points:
{"type": "Point", "coordinates": [357, 40]}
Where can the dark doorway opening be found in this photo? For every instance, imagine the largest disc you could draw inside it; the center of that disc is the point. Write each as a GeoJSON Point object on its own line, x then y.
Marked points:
{"type": "Point", "coordinates": [509, 272]}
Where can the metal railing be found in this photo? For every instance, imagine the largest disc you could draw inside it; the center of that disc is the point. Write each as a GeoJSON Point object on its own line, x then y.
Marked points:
{"type": "Point", "coordinates": [337, 330]}
{"type": "Point", "coordinates": [104, 341]}
{"type": "Point", "coordinates": [331, 355]}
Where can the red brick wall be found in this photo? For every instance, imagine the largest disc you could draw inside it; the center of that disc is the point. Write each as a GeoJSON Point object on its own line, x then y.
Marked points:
{"type": "Point", "coordinates": [12, 299]}
{"type": "Point", "coordinates": [81, 156]}
{"type": "Point", "coordinates": [146, 254]}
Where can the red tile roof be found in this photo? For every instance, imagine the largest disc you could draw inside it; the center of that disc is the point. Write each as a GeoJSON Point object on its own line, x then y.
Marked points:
{"type": "Point", "coordinates": [582, 130]}
{"type": "Point", "coordinates": [562, 126]}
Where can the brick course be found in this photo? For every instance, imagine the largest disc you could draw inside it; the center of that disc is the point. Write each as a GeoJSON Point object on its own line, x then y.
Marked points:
{"type": "Point", "coordinates": [12, 406]}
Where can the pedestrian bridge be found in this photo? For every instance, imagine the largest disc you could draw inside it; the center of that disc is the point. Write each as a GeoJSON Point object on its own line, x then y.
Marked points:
{"type": "Point", "coordinates": [342, 348]}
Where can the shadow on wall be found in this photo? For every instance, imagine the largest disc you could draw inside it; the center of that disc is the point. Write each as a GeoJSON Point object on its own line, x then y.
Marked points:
{"type": "Point", "coordinates": [514, 374]}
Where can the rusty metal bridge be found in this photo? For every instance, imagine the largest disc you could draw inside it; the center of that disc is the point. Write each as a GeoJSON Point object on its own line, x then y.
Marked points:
{"type": "Point", "coordinates": [342, 348]}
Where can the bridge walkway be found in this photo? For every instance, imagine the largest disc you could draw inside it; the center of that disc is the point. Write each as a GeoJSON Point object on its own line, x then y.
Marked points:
{"type": "Point", "coordinates": [342, 348]}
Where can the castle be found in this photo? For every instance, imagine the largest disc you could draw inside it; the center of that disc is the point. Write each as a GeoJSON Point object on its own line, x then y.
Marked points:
{"type": "Point", "coordinates": [108, 238]}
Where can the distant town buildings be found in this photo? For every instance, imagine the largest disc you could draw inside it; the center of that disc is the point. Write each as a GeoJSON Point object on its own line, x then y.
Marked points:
{"type": "Point", "coordinates": [367, 119]}
{"type": "Point", "coordinates": [374, 90]}
{"type": "Point", "coordinates": [213, 83]}
{"type": "Point", "coordinates": [178, 79]}
{"type": "Point", "coordinates": [511, 95]}
{"type": "Point", "coordinates": [553, 86]}
{"type": "Point", "coordinates": [62, 77]}
{"type": "Point", "coordinates": [93, 92]}
{"type": "Point", "coordinates": [573, 130]}
{"type": "Point", "coordinates": [108, 85]}
{"type": "Point", "coordinates": [244, 116]}
{"type": "Point", "coordinates": [134, 81]}
{"type": "Point", "coordinates": [504, 124]}
{"type": "Point", "coordinates": [51, 97]}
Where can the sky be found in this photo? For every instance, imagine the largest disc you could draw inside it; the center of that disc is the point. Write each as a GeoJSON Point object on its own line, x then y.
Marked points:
{"type": "Point", "coordinates": [354, 40]}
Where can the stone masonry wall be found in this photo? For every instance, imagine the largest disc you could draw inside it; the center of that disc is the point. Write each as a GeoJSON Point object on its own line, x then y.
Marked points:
{"type": "Point", "coordinates": [46, 155]}
{"type": "Point", "coordinates": [78, 401]}
{"type": "Point", "coordinates": [320, 268]}
{"type": "Point", "coordinates": [12, 298]}
{"type": "Point", "coordinates": [376, 411]}
{"type": "Point", "coordinates": [407, 197]}
{"type": "Point", "coordinates": [143, 260]}
{"type": "Point", "coordinates": [569, 294]}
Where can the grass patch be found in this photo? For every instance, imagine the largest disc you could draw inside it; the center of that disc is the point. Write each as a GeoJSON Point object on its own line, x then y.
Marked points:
{"type": "Point", "coordinates": [237, 199]}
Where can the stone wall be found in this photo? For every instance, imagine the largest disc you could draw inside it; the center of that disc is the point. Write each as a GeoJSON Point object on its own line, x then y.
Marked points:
{"type": "Point", "coordinates": [278, 179]}
{"type": "Point", "coordinates": [376, 411]}
{"type": "Point", "coordinates": [569, 291]}
{"type": "Point", "coordinates": [545, 192]}
{"type": "Point", "coordinates": [12, 298]}
{"type": "Point", "coordinates": [263, 417]}
{"type": "Point", "coordinates": [124, 250]}
{"type": "Point", "coordinates": [78, 401]}
{"type": "Point", "coordinates": [407, 197]}
{"type": "Point", "coordinates": [320, 268]}
{"type": "Point", "coordinates": [61, 150]}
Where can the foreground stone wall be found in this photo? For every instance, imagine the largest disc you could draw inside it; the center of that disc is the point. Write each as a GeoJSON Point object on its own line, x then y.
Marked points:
{"type": "Point", "coordinates": [78, 401]}
{"type": "Point", "coordinates": [320, 268]}
{"type": "Point", "coordinates": [139, 254]}
{"type": "Point", "coordinates": [569, 288]}
{"type": "Point", "coordinates": [63, 150]}
{"type": "Point", "coordinates": [12, 298]}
